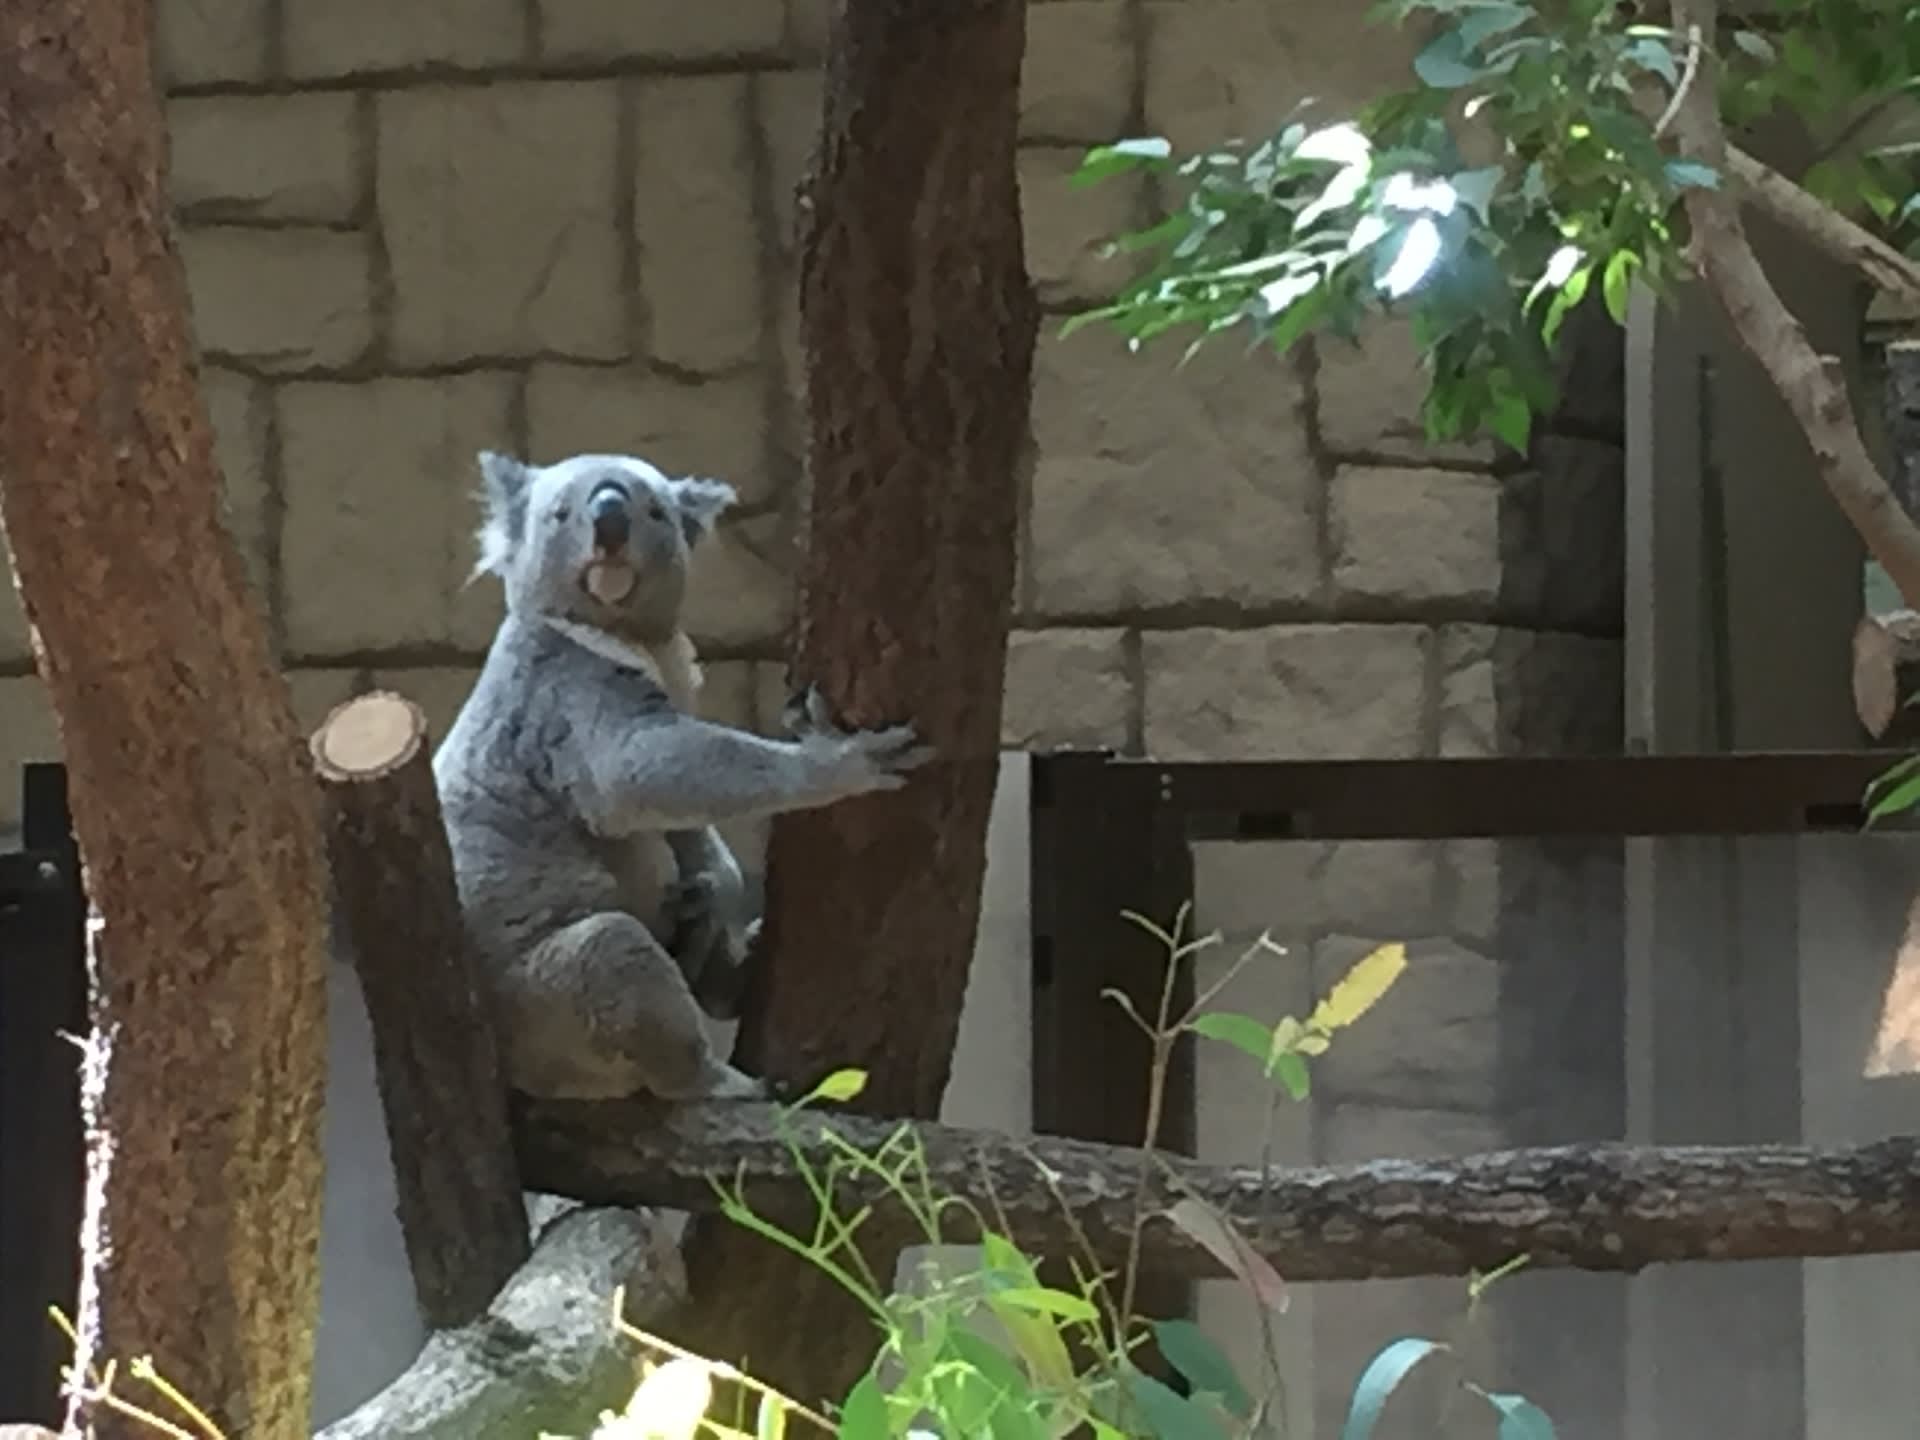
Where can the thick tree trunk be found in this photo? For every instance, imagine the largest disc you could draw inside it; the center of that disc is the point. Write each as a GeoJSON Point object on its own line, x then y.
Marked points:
{"type": "Point", "coordinates": [434, 1045]}
{"type": "Point", "coordinates": [194, 810]}
{"type": "Point", "coordinates": [918, 324]}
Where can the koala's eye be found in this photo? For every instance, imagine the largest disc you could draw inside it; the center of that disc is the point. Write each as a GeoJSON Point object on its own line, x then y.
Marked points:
{"type": "Point", "coordinates": [561, 514]}
{"type": "Point", "coordinates": [656, 511]}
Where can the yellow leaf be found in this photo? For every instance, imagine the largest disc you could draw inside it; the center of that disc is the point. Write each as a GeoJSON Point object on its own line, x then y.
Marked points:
{"type": "Point", "coordinates": [1360, 989]}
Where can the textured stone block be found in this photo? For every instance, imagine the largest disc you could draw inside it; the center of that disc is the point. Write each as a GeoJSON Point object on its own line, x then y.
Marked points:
{"type": "Point", "coordinates": [740, 595]}
{"type": "Point", "coordinates": [316, 690]}
{"type": "Point", "coordinates": [1286, 692]}
{"type": "Point", "coordinates": [1078, 80]}
{"type": "Point", "coordinates": [1471, 871]}
{"type": "Point", "coordinates": [239, 409]}
{"type": "Point", "coordinates": [687, 427]}
{"type": "Point", "coordinates": [325, 38]}
{"type": "Point", "coordinates": [1230, 69]}
{"type": "Point", "coordinates": [27, 734]}
{"type": "Point", "coordinates": [280, 299]}
{"type": "Point", "coordinates": [788, 105]}
{"type": "Point", "coordinates": [439, 691]}
{"type": "Point", "coordinates": [265, 157]}
{"type": "Point", "coordinates": [1356, 1133]}
{"type": "Point", "coordinates": [378, 536]}
{"type": "Point", "coordinates": [1067, 690]}
{"type": "Point", "coordinates": [1159, 488]}
{"type": "Point", "coordinates": [1433, 1041]}
{"type": "Point", "coordinates": [727, 692]}
{"type": "Point", "coordinates": [695, 220]}
{"type": "Point", "coordinates": [1406, 538]}
{"type": "Point", "coordinates": [1066, 227]}
{"type": "Point", "coordinates": [1370, 392]}
{"type": "Point", "coordinates": [498, 209]}
{"type": "Point", "coordinates": [201, 42]}
{"type": "Point", "coordinates": [1308, 886]}
{"type": "Point", "coordinates": [603, 30]}
{"type": "Point", "coordinates": [807, 22]}
{"type": "Point", "coordinates": [1508, 692]}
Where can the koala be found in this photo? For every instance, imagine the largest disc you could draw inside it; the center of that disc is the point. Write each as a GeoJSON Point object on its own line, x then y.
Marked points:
{"type": "Point", "coordinates": [581, 792]}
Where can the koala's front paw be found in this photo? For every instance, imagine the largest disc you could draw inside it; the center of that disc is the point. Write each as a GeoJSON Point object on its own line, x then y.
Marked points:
{"type": "Point", "coordinates": [860, 761]}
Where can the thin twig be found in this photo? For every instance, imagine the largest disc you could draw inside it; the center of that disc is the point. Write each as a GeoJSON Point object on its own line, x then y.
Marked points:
{"type": "Point", "coordinates": [1687, 74]}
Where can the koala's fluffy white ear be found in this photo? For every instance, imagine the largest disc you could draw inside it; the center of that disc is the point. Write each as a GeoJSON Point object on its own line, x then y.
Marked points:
{"type": "Point", "coordinates": [700, 503]}
{"type": "Point", "coordinates": [503, 493]}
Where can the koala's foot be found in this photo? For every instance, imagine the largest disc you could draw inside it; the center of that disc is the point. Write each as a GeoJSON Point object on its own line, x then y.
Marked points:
{"type": "Point", "coordinates": [861, 761]}
{"type": "Point", "coordinates": [599, 1010]}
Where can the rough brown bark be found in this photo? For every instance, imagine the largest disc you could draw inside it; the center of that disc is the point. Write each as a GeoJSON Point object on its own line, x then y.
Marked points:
{"type": "Point", "coordinates": [1813, 390]}
{"type": "Point", "coordinates": [194, 810]}
{"type": "Point", "coordinates": [434, 1048]}
{"type": "Point", "coordinates": [1590, 1207]}
{"type": "Point", "coordinates": [918, 324]}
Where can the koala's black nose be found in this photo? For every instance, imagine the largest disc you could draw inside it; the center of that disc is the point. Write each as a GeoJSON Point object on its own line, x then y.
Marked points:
{"type": "Point", "coordinates": [612, 524]}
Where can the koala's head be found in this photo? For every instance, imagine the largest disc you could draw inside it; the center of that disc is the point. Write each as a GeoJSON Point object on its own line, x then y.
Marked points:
{"type": "Point", "coordinates": [603, 539]}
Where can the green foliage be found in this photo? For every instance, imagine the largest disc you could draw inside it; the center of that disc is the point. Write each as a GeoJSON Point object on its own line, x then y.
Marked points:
{"type": "Point", "coordinates": [994, 1352]}
{"type": "Point", "coordinates": [1522, 172]}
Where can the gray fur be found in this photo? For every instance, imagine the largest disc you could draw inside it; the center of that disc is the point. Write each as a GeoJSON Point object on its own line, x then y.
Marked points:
{"type": "Point", "coordinates": [580, 801]}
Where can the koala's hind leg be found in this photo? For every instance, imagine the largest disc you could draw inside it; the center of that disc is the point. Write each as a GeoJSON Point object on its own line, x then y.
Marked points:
{"type": "Point", "coordinates": [599, 1010]}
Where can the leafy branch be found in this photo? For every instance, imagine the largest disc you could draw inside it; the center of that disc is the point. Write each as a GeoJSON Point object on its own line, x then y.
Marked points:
{"type": "Point", "coordinates": [1546, 151]}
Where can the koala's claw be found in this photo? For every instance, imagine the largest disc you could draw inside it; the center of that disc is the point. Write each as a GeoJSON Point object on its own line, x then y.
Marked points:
{"type": "Point", "coordinates": [808, 713]}
{"type": "Point", "coordinates": [886, 755]}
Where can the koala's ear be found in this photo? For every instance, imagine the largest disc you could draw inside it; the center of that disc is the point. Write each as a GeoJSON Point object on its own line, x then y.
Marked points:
{"type": "Point", "coordinates": [503, 493]}
{"type": "Point", "coordinates": [700, 503]}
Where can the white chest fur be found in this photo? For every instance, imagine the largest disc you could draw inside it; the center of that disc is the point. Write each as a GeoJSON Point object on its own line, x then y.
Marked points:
{"type": "Point", "coordinates": [643, 867]}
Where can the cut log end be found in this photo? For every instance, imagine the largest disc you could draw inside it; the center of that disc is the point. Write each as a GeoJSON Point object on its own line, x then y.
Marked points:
{"type": "Point", "coordinates": [368, 737]}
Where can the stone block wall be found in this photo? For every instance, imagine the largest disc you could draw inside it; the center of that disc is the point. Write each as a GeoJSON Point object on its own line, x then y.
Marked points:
{"type": "Point", "coordinates": [413, 231]}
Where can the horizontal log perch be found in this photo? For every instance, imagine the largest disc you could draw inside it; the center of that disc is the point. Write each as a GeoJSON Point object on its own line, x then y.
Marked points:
{"type": "Point", "coordinates": [1606, 1207]}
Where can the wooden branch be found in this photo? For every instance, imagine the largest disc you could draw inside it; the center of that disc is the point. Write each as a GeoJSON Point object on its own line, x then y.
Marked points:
{"type": "Point", "coordinates": [1592, 1207]}
{"type": "Point", "coordinates": [1823, 227]}
{"type": "Point", "coordinates": [461, 1209]}
{"type": "Point", "coordinates": [545, 1358]}
{"type": "Point", "coordinates": [1813, 390]}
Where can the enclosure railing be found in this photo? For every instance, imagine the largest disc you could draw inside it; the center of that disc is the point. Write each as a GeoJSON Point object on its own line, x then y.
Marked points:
{"type": "Point", "coordinates": [1721, 1057]}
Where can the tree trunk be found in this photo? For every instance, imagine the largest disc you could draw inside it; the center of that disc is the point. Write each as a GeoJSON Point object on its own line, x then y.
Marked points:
{"type": "Point", "coordinates": [918, 325]}
{"type": "Point", "coordinates": [194, 809]}
{"type": "Point", "coordinates": [434, 1048]}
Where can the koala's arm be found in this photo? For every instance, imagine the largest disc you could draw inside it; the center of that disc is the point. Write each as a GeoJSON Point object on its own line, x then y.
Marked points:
{"type": "Point", "coordinates": [673, 772]}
